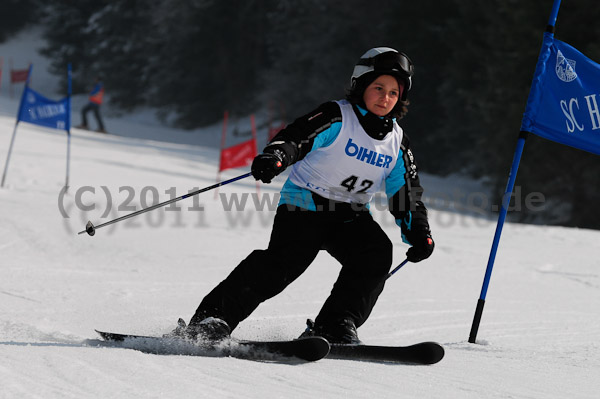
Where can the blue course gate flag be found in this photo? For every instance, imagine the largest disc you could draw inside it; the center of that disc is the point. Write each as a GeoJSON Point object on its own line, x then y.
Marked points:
{"type": "Point", "coordinates": [39, 110]}
{"type": "Point", "coordinates": [564, 101]}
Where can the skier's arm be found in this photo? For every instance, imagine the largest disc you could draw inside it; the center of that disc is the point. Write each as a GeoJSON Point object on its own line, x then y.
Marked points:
{"type": "Point", "coordinates": [315, 129]}
{"type": "Point", "coordinates": [297, 139]}
{"type": "Point", "coordinates": [96, 89]}
{"type": "Point", "coordinates": [404, 192]}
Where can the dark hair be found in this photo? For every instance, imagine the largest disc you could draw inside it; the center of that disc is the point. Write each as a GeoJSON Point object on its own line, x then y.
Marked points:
{"type": "Point", "coordinates": [356, 92]}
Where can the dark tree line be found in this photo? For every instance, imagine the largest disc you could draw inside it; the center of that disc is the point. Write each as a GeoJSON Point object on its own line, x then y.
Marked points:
{"type": "Point", "coordinates": [474, 63]}
{"type": "Point", "coordinates": [14, 15]}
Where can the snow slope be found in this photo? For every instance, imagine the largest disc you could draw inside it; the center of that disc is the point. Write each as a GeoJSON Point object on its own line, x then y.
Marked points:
{"type": "Point", "coordinates": [539, 336]}
{"type": "Point", "coordinates": [539, 333]}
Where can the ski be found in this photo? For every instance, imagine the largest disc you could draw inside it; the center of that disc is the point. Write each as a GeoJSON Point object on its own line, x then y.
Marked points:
{"type": "Point", "coordinates": [308, 349]}
{"type": "Point", "coordinates": [421, 353]}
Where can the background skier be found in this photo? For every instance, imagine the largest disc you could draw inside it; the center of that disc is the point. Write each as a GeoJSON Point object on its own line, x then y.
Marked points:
{"type": "Point", "coordinates": [95, 98]}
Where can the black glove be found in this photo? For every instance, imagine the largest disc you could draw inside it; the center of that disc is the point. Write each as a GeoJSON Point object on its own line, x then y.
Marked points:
{"type": "Point", "coordinates": [416, 233]}
{"type": "Point", "coordinates": [422, 247]}
{"type": "Point", "coordinates": [266, 166]}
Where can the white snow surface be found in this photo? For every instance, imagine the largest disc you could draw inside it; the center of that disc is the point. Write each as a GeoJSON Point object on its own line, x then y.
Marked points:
{"type": "Point", "coordinates": [540, 330]}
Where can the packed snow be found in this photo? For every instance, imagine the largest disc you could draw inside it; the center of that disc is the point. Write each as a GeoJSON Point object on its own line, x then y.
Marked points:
{"type": "Point", "coordinates": [539, 335]}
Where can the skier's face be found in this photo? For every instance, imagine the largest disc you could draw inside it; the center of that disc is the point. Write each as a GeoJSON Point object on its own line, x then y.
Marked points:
{"type": "Point", "coordinates": [381, 96]}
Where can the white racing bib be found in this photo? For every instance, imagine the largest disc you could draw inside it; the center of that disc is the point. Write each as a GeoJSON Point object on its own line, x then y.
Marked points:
{"type": "Point", "coordinates": [353, 168]}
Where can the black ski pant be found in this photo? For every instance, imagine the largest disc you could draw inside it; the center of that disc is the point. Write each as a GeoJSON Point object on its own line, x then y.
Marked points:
{"type": "Point", "coordinates": [353, 238]}
{"type": "Point", "coordinates": [95, 108]}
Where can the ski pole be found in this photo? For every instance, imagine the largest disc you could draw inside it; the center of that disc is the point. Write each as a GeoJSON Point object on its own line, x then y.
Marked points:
{"type": "Point", "coordinates": [390, 274]}
{"type": "Point", "coordinates": [91, 229]}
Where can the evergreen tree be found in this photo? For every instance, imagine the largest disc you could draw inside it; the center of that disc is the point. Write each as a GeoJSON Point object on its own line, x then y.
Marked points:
{"type": "Point", "coordinates": [15, 15]}
{"type": "Point", "coordinates": [489, 84]}
{"type": "Point", "coordinates": [70, 40]}
{"type": "Point", "coordinates": [209, 59]}
{"type": "Point", "coordinates": [123, 32]}
{"type": "Point", "coordinates": [474, 62]}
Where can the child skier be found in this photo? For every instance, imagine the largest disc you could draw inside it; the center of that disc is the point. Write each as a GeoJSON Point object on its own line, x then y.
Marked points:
{"type": "Point", "coordinates": [341, 154]}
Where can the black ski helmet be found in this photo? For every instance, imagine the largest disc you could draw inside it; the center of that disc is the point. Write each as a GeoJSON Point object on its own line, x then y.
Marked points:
{"type": "Point", "coordinates": [385, 60]}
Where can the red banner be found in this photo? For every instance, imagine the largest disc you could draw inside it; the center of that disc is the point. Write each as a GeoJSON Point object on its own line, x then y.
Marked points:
{"type": "Point", "coordinates": [238, 156]}
{"type": "Point", "coordinates": [18, 75]}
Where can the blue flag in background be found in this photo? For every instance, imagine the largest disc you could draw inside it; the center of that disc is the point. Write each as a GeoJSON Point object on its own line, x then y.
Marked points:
{"type": "Point", "coordinates": [39, 110]}
{"type": "Point", "coordinates": [564, 101]}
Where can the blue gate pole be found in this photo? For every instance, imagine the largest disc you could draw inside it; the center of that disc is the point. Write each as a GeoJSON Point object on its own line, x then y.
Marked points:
{"type": "Point", "coordinates": [12, 139]}
{"type": "Point", "coordinates": [501, 218]}
{"type": "Point", "coordinates": [68, 124]}
{"type": "Point", "coordinates": [505, 203]}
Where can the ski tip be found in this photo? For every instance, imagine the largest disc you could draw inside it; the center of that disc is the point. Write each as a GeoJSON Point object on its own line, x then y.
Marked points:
{"type": "Point", "coordinates": [110, 336]}
{"type": "Point", "coordinates": [102, 334]}
{"type": "Point", "coordinates": [308, 348]}
{"type": "Point", "coordinates": [432, 352]}
{"type": "Point", "coordinates": [316, 348]}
